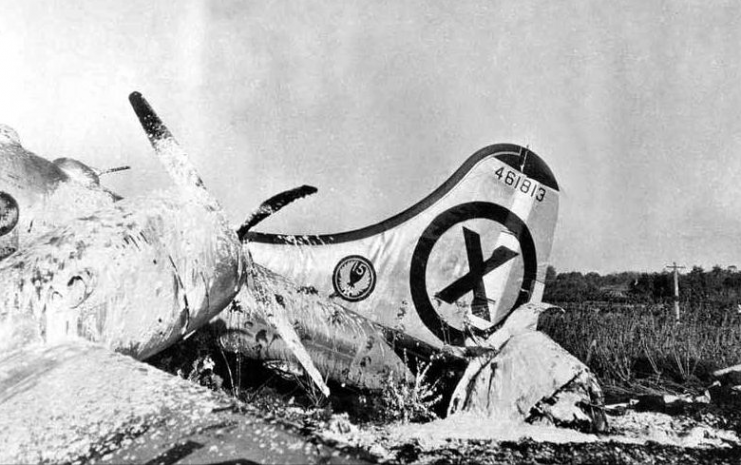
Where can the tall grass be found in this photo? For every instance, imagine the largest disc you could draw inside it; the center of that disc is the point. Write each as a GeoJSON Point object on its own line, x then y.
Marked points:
{"type": "Point", "coordinates": [644, 346]}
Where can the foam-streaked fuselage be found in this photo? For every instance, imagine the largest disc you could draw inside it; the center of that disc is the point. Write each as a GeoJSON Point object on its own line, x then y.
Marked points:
{"type": "Point", "coordinates": [133, 275]}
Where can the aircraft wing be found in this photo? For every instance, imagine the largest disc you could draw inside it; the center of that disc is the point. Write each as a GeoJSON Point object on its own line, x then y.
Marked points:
{"type": "Point", "coordinates": [82, 402]}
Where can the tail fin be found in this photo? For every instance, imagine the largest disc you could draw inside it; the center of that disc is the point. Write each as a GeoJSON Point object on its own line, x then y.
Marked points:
{"type": "Point", "coordinates": [454, 264]}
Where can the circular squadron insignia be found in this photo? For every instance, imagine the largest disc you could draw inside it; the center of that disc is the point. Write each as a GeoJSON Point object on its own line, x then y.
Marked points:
{"type": "Point", "coordinates": [8, 213]}
{"type": "Point", "coordinates": [471, 267]}
{"type": "Point", "coordinates": [354, 278]}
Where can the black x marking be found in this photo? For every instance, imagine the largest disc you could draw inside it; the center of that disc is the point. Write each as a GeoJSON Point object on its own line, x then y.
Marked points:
{"type": "Point", "coordinates": [477, 269]}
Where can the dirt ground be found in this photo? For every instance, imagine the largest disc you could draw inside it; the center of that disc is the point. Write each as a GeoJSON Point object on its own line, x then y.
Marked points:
{"type": "Point", "coordinates": [698, 434]}
{"type": "Point", "coordinates": [641, 431]}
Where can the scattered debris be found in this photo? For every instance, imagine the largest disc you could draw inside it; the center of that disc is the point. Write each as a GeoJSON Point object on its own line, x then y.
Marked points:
{"type": "Point", "coordinates": [730, 376]}
{"type": "Point", "coordinates": [532, 378]}
{"type": "Point", "coordinates": [669, 403]}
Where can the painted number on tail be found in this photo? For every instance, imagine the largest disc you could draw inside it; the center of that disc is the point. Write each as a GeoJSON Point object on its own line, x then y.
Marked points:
{"type": "Point", "coordinates": [521, 183]}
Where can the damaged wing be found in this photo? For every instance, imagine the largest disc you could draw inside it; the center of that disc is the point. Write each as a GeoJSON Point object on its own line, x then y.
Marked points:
{"type": "Point", "coordinates": [129, 278]}
{"type": "Point", "coordinates": [83, 403]}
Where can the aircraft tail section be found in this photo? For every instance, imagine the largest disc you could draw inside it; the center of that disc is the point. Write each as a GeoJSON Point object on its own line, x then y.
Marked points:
{"type": "Point", "coordinates": [448, 269]}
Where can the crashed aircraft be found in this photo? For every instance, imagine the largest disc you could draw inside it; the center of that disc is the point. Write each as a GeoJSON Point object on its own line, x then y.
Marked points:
{"type": "Point", "coordinates": [130, 277]}
{"type": "Point", "coordinates": [454, 280]}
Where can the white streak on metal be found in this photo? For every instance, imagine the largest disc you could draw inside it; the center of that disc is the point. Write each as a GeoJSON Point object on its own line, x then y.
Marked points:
{"type": "Point", "coordinates": [140, 261]}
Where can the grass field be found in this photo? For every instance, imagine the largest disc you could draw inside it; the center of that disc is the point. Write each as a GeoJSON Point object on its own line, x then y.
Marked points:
{"type": "Point", "coordinates": [643, 349]}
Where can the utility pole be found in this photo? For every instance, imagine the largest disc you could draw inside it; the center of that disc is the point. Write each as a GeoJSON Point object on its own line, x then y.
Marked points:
{"type": "Point", "coordinates": [675, 268]}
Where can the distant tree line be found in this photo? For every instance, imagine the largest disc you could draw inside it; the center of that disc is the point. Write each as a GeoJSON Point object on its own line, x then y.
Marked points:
{"type": "Point", "coordinates": [719, 287]}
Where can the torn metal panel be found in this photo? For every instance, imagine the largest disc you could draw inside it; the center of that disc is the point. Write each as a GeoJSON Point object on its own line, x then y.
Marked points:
{"type": "Point", "coordinates": [343, 345]}
{"type": "Point", "coordinates": [530, 367]}
{"type": "Point", "coordinates": [83, 403]}
{"type": "Point", "coordinates": [131, 277]}
{"type": "Point", "coordinates": [134, 276]}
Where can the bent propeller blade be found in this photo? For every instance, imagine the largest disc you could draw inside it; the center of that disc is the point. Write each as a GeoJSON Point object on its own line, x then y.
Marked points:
{"type": "Point", "coordinates": [172, 156]}
{"type": "Point", "coordinates": [272, 205]}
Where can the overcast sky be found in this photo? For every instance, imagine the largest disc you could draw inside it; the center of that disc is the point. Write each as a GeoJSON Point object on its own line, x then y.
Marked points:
{"type": "Point", "coordinates": [634, 105]}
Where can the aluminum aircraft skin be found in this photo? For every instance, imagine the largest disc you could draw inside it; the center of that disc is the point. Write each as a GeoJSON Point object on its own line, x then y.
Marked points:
{"type": "Point", "coordinates": [36, 194]}
{"type": "Point", "coordinates": [444, 273]}
{"type": "Point", "coordinates": [90, 290]}
{"type": "Point", "coordinates": [171, 252]}
{"type": "Point", "coordinates": [457, 279]}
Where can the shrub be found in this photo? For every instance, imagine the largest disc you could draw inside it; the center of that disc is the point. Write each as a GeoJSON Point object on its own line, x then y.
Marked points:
{"type": "Point", "coordinates": [411, 402]}
{"type": "Point", "coordinates": [644, 345]}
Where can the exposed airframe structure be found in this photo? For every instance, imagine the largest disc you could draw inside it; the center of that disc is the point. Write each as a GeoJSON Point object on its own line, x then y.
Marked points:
{"type": "Point", "coordinates": [116, 277]}
{"type": "Point", "coordinates": [456, 279]}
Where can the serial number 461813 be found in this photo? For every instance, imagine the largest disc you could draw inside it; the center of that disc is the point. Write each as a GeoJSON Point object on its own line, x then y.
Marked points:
{"type": "Point", "coordinates": [521, 183]}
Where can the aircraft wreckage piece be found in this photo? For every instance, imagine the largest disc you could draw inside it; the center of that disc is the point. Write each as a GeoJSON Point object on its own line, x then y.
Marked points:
{"type": "Point", "coordinates": [344, 346]}
{"type": "Point", "coordinates": [135, 276]}
{"type": "Point", "coordinates": [37, 194]}
{"type": "Point", "coordinates": [81, 403]}
{"type": "Point", "coordinates": [458, 273]}
{"type": "Point", "coordinates": [51, 194]}
{"type": "Point", "coordinates": [449, 269]}
{"type": "Point", "coordinates": [271, 206]}
{"type": "Point", "coordinates": [132, 277]}
{"type": "Point", "coordinates": [527, 376]}
{"type": "Point", "coordinates": [535, 380]}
